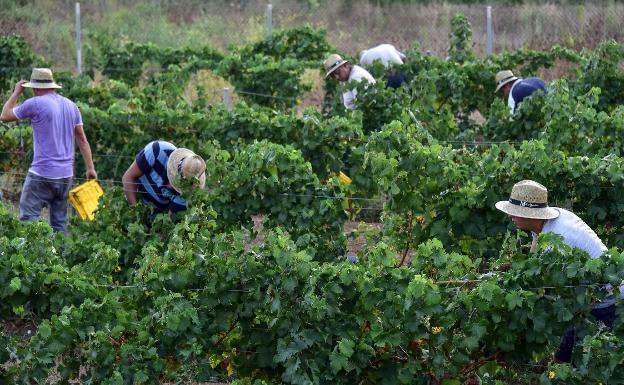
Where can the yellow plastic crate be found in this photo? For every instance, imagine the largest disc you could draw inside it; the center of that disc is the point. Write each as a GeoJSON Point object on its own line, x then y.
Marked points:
{"type": "Point", "coordinates": [85, 198]}
{"type": "Point", "coordinates": [344, 178]}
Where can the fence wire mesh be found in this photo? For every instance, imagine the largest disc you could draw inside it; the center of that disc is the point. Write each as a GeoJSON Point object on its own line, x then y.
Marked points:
{"type": "Point", "coordinates": [351, 26]}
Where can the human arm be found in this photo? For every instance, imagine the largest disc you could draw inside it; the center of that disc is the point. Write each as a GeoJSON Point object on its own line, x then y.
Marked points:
{"type": "Point", "coordinates": [129, 181]}
{"type": "Point", "coordinates": [348, 99]}
{"type": "Point", "coordinates": [402, 56]}
{"type": "Point", "coordinates": [7, 110]}
{"type": "Point", "coordinates": [85, 150]}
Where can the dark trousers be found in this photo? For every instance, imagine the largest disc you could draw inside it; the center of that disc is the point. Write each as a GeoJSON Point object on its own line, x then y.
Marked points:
{"type": "Point", "coordinates": [604, 314]}
{"type": "Point", "coordinates": [395, 80]}
{"type": "Point", "coordinates": [39, 192]}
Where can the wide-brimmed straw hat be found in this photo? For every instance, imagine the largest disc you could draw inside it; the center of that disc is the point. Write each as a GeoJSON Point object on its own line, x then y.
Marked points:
{"type": "Point", "coordinates": [504, 77]}
{"type": "Point", "coordinates": [333, 62]}
{"type": "Point", "coordinates": [185, 163]}
{"type": "Point", "coordinates": [41, 78]}
{"type": "Point", "coordinates": [528, 199]}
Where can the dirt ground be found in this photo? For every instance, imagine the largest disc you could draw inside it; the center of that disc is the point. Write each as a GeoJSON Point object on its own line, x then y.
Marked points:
{"type": "Point", "coordinates": [354, 230]}
{"type": "Point", "coordinates": [18, 327]}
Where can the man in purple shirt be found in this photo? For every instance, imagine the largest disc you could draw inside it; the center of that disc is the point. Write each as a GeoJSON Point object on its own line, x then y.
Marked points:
{"type": "Point", "coordinates": [57, 125]}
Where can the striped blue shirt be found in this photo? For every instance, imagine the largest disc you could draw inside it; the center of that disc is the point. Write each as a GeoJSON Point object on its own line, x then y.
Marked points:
{"type": "Point", "coordinates": [154, 183]}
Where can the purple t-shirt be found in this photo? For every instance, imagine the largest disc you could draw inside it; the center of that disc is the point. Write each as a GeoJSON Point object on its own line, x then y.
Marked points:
{"type": "Point", "coordinates": [53, 118]}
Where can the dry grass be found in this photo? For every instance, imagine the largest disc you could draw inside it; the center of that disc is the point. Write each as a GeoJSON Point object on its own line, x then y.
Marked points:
{"type": "Point", "coordinates": [10, 187]}
{"type": "Point", "coordinates": [531, 25]}
{"type": "Point", "coordinates": [212, 85]}
{"type": "Point", "coordinates": [314, 97]}
{"type": "Point", "coordinates": [351, 26]}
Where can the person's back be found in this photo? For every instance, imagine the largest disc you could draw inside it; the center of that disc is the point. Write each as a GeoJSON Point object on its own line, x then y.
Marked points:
{"type": "Point", "coordinates": [575, 232]}
{"type": "Point", "coordinates": [386, 53]}
{"type": "Point", "coordinates": [154, 184]}
{"type": "Point", "coordinates": [358, 74]}
{"type": "Point", "coordinates": [524, 88]}
{"type": "Point", "coordinates": [153, 175]}
{"type": "Point", "coordinates": [53, 118]}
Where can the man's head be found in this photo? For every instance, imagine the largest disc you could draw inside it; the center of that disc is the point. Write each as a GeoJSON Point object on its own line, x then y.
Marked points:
{"type": "Point", "coordinates": [41, 81]}
{"type": "Point", "coordinates": [504, 81]}
{"type": "Point", "coordinates": [184, 163]}
{"type": "Point", "coordinates": [337, 68]}
{"type": "Point", "coordinates": [527, 206]}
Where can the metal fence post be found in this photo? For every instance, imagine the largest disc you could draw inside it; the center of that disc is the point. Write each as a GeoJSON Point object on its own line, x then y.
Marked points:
{"type": "Point", "coordinates": [78, 44]}
{"type": "Point", "coordinates": [488, 43]}
{"type": "Point", "coordinates": [226, 99]}
{"type": "Point", "coordinates": [269, 21]}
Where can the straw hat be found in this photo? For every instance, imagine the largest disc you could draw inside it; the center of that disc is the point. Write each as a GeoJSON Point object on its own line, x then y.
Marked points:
{"type": "Point", "coordinates": [528, 199]}
{"type": "Point", "coordinates": [333, 62]}
{"type": "Point", "coordinates": [185, 163]}
{"type": "Point", "coordinates": [504, 77]}
{"type": "Point", "coordinates": [41, 78]}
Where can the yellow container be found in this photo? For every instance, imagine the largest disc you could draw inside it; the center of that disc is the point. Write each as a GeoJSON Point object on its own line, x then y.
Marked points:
{"type": "Point", "coordinates": [85, 198]}
{"type": "Point", "coordinates": [344, 178]}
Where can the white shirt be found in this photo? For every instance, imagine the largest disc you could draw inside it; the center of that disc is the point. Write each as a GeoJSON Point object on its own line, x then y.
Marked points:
{"type": "Point", "coordinates": [357, 74]}
{"type": "Point", "coordinates": [510, 100]}
{"type": "Point", "coordinates": [387, 53]}
{"type": "Point", "coordinates": [575, 233]}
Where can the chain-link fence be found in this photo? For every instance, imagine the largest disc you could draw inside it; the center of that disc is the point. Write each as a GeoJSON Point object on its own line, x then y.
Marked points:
{"type": "Point", "coordinates": [352, 25]}
{"type": "Point", "coordinates": [50, 28]}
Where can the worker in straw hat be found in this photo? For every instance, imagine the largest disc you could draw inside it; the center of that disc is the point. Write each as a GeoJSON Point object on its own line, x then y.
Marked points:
{"type": "Point", "coordinates": [528, 209]}
{"type": "Point", "coordinates": [385, 53]}
{"type": "Point", "coordinates": [343, 71]}
{"type": "Point", "coordinates": [157, 173]}
{"type": "Point", "coordinates": [515, 90]}
{"type": "Point", "coordinates": [56, 125]}
{"type": "Point", "coordinates": [389, 57]}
